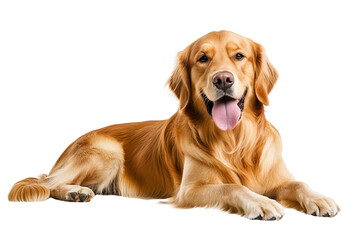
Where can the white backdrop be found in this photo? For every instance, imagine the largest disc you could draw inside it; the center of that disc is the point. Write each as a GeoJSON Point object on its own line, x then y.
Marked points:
{"type": "Point", "coordinates": [68, 67]}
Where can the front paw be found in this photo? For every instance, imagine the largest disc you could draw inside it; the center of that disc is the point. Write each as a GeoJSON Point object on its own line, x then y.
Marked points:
{"type": "Point", "coordinates": [263, 208]}
{"type": "Point", "coordinates": [321, 206]}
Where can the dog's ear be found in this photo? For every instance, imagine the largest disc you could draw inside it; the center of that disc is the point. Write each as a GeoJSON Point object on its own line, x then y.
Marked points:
{"type": "Point", "coordinates": [179, 81]}
{"type": "Point", "coordinates": [265, 75]}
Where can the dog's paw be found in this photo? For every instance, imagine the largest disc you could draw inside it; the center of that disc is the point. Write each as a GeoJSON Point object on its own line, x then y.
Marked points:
{"type": "Point", "coordinates": [263, 208]}
{"type": "Point", "coordinates": [79, 194]}
{"type": "Point", "coordinates": [321, 206]}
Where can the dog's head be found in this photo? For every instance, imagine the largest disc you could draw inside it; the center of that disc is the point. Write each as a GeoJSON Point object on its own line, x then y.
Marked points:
{"type": "Point", "coordinates": [221, 75]}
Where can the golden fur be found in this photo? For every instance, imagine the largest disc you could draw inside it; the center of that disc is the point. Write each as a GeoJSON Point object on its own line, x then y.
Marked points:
{"type": "Point", "coordinates": [187, 158]}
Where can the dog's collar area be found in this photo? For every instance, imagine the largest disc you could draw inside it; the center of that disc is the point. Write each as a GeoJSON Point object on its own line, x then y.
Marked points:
{"type": "Point", "coordinates": [210, 104]}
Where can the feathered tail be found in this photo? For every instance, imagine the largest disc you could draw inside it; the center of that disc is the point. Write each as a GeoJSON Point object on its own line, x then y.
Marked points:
{"type": "Point", "coordinates": [30, 190]}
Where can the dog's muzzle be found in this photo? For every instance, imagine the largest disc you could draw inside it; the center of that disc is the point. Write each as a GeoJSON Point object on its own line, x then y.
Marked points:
{"type": "Point", "coordinates": [226, 112]}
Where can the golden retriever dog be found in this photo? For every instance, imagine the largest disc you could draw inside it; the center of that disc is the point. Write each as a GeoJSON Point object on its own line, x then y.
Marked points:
{"type": "Point", "coordinates": [217, 150]}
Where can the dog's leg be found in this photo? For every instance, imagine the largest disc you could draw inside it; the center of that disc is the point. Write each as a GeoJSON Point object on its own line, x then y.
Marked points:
{"type": "Point", "coordinates": [299, 196]}
{"type": "Point", "coordinates": [198, 190]}
{"type": "Point", "coordinates": [92, 165]}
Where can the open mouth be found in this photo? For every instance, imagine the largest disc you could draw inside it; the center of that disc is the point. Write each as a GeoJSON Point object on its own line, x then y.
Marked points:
{"type": "Point", "coordinates": [226, 112]}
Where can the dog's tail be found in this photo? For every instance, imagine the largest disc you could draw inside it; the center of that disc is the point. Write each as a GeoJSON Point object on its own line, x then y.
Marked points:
{"type": "Point", "coordinates": [29, 190]}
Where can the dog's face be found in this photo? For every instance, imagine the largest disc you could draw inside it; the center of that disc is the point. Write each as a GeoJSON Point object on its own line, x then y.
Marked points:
{"type": "Point", "coordinates": [219, 73]}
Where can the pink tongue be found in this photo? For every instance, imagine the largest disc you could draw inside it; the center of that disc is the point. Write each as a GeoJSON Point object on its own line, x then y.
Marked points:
{"type": "Point", "coordinates": [226, 113]}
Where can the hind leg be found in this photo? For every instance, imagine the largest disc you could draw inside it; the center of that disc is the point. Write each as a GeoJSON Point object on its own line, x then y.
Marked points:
{"type": "Point", "coordinates": [90, 166]}
{"type": "Point", "coordinates": [72, 193]}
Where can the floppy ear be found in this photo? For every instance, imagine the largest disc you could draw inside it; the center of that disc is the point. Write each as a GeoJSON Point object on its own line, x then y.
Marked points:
{"type": "Point", "coordinates": [179, 81]}
{"type": "Point", "coordinates": [265, 75]}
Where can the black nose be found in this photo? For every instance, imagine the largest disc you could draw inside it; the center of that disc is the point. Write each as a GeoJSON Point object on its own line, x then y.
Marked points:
{"type": "Point", "coordinates": [223, 80]}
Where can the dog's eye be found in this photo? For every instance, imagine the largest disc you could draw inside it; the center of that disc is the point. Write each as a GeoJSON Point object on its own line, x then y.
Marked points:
{"type": "Point", "coordinates": [239, 56]}
{"type": "Point", "coordinates": [203, 59]}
